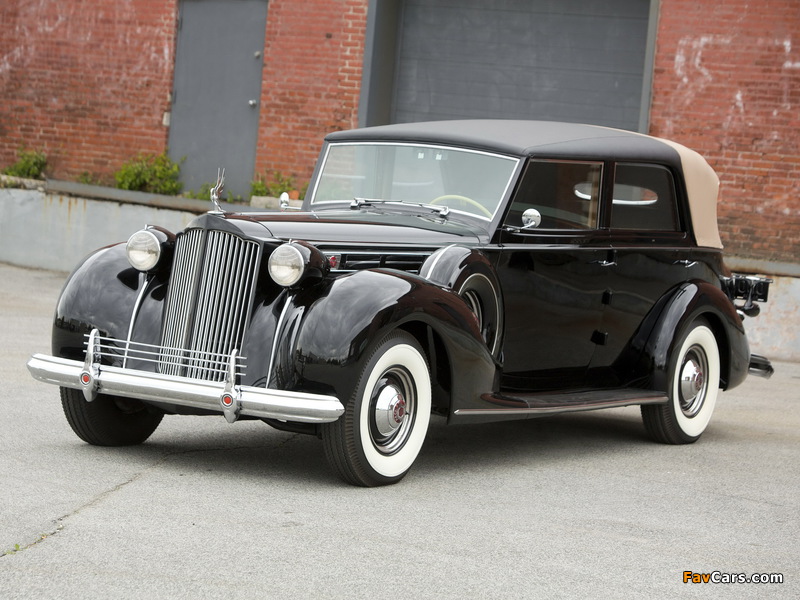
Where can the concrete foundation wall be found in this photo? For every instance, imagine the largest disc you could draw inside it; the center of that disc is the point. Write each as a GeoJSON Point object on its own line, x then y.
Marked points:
{"type": "Point", "coordinates": [47, 230]}
{"type": "Point", "coordinates": [52, 230]}
{"type": "Point", "coordinates": [775, 333]}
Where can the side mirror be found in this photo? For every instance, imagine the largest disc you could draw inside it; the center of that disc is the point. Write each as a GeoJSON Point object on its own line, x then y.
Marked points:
{"type": "Point", "coordinates": [285, 204]}
{"type": "Point", "coordinates": [531, 219]}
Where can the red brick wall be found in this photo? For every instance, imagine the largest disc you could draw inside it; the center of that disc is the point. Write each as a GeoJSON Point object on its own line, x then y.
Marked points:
{"type": "Point", "coordinates": [85, 81]}
{"type": "Point", "coordinates": [312, 79]}
{"type": "Point", "coordinates": [88, 82]}
{"type": "Point", "coordinates": [727, 84]}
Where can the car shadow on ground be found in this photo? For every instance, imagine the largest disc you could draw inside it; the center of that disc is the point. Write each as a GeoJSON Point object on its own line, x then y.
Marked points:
{"type": "Point", "coordinates": [551, 438]}
{"type": "Point", "coordinates": [258, 451]}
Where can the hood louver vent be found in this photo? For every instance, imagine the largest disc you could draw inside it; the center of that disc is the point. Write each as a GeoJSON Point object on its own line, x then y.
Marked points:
{"type": "Point", "coordinates": [347, 261]}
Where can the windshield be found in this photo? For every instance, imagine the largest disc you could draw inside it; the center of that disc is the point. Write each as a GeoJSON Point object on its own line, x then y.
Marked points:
{"type": "Point", "coordinates": [465, 181]}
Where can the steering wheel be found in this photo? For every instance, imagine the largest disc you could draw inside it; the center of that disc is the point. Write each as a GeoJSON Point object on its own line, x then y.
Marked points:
{"type": "Point", "coordinates": [463, 199]}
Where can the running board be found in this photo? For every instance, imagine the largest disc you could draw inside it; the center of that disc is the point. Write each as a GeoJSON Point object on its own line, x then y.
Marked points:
{"type": "Point", "coordinates": [540, 405]}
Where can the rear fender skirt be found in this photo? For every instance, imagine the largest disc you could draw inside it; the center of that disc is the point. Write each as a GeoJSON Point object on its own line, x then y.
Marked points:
{"type": "Point", "coordinates": [328, 329]}
{"type": "Point", "coordinates": [655, 340]}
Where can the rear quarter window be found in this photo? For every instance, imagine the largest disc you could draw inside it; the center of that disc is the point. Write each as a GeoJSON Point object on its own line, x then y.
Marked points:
{"type": "Point", "coordinates": [644, 198]}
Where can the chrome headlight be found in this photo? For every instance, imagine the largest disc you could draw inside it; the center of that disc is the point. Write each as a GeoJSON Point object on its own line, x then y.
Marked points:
{"type": "Point", "coordinates": [145, 248]}
{"type": "Point", "coordinates": [294, 262]}
{"type": "Point", "coordinates": [286, 265]}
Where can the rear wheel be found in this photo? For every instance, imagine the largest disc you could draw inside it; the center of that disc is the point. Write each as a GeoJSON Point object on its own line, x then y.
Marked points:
{"type": "Point", "coordinates": [694, 373]}
{"type": "Point", "coordinates": [108, 420]}
{"type": "Point", "coordinates": [384, 425]}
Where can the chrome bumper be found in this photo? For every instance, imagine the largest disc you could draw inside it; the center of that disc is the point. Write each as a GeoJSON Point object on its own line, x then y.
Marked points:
{"type": "Point", "coordinates": [230, 400]}
{"type": "Point", "coordinates": [760, 366]}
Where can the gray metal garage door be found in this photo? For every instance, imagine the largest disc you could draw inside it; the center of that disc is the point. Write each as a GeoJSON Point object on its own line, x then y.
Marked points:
{"type": "Point", "coordinates": [567, 60]}
{"type": "Point", "coordinates": [216, 97]}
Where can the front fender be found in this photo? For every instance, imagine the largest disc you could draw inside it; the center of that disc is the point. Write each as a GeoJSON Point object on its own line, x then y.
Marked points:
{"type": "Point", "coordinates": [674, 313]}
{"type": "Point", "coordinates": [101, 292]}
{"type": "Point", "coordinates": [325, 338]}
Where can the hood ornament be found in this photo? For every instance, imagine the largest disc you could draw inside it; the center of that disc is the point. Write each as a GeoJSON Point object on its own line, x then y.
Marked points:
{"type": "Point", "coordinates": [216, 191]}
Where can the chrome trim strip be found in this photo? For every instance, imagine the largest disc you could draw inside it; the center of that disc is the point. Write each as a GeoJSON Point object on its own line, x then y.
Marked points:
{"type": "Point", "coordinates": [251, 401]}
{"type": "Point", "coordinates": [564, 408]}
{"type": "Point", "coordinates": [114, 349]}
{"type": "Point", "coordinates": [136, 350]}
{"type": "Point", "coordinates": [436, 260]}
{"type": "Point", "coordinates": [377, 252]}
{"type": "Point", "coordinates": [278, 330]}
{"type": "Point", "coordinates": [144, 283]}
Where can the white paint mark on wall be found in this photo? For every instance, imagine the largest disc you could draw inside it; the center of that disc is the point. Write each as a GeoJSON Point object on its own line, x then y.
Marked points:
{"type": "Point", "coordinates": [695, 76]}
{"type": "Point", "coordinates": [737, 113]}
{"type": "Point", "coordinates": [789, 64]}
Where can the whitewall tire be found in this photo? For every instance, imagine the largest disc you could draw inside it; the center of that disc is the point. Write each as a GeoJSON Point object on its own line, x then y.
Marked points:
{"type": "Point", "coordinates": [694, 376]}
{"type": "Point", "coordinates": [382, 431]}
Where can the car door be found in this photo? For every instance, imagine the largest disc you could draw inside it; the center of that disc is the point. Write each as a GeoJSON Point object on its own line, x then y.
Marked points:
{"type": "Point", "coordinates": [651, 254]}
{"type": "Point", "coordinates": [553, 276]}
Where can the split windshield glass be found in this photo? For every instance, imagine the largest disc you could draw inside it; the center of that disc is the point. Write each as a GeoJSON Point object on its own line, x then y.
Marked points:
{"type": "Point", "coordinates": [465, 181]}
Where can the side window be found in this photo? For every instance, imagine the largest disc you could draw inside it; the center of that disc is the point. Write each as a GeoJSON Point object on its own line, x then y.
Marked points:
{"type": "Point", "coordinates": [566, 194]}
{"type": "Point", "coordinates": [644, 198]}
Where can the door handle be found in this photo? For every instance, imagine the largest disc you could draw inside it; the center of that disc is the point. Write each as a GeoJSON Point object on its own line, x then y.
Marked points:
{"type": "Point", "coordinates": [604, 263]}
{"type": "Point", "coordinates": [609, 261]}
{"type": "Point", "coordinates": [252, 103]}
{"type": "Point", "coordinates": [686, 263]}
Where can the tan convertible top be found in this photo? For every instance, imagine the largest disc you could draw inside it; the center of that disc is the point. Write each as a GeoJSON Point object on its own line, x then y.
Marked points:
{"type": "Point", "coordinates": [702, 187]}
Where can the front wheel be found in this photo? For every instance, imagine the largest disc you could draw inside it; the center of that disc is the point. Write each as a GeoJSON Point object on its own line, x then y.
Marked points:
{"type": "Point", "coordinates": [694, 385]}
{"type": "Point", "coordinates": [109, 420]}
{"type": "Point", "coordinates": [384, 425]}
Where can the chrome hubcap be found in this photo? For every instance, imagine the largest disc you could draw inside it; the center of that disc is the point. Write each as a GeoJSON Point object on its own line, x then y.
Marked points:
{"type": "Point", "coordinates": [390, 410]}
{"type": "Point", "coordinates": [392, 406]}
{"type": "Point", "coordinates": [692, 385]}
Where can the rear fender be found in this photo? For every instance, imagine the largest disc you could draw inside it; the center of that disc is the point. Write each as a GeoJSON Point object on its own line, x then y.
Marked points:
{"type": "Point", "coordinates": [670, 318]}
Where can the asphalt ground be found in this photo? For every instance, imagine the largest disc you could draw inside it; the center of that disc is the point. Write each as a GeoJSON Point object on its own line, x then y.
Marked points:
{"type": "Point", "coordinates": [577, 506]}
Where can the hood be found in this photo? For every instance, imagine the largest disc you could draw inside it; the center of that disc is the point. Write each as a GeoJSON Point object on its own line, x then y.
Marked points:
{"type": "Point", "coordinates": [365, 226]}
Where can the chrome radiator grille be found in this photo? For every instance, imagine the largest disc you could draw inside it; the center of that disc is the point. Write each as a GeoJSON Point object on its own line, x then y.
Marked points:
{"type": "Point", "coordinates": [208, 303]}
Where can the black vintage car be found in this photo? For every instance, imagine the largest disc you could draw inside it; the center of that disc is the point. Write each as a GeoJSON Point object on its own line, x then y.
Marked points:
{"type": "Point", "coordinates": [476, 270]}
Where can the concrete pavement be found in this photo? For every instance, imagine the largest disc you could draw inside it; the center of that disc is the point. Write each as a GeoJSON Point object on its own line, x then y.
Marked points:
{"type": "Point", "coordinates": [580, 506]}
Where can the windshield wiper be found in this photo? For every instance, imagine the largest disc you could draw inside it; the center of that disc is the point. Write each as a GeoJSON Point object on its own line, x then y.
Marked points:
{"type": "Point", "coordinates": [361, 202]}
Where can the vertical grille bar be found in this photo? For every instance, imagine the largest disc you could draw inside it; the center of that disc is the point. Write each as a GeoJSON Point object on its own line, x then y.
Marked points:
{"type": "Point", "coordinates": [208, 304]}
{"type": "Point", "coordinates": [224, 330]}
{"type": "Point", "coordinates": [183, 284]}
